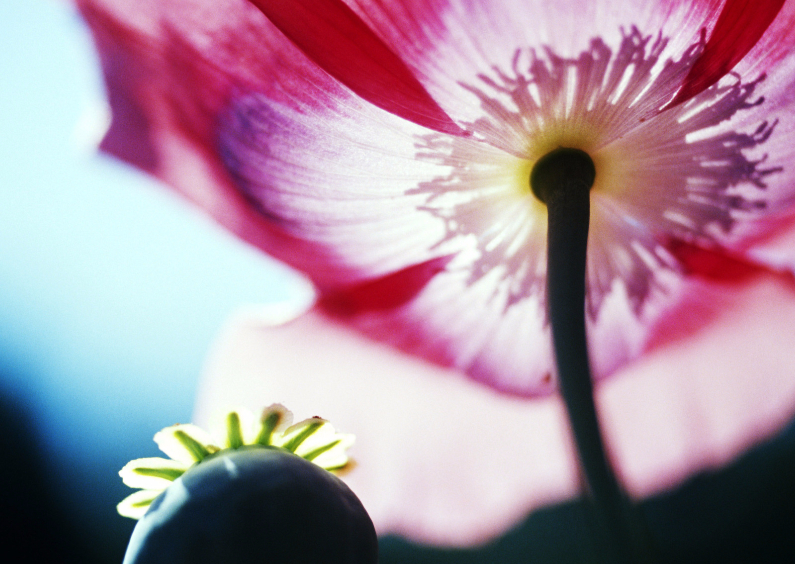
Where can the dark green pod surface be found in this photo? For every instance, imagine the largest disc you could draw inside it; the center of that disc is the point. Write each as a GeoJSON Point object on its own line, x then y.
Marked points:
{"type": "Point", "coordinates": [255, 505]}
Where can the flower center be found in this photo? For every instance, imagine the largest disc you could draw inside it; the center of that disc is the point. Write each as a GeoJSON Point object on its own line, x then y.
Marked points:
{"type": "Point", "coordinates": [679, 173]}
{"type": "Point", "coordinates": [683, 173]}
{"type": "Point", "coordinates": [562, 170]}
{"type": "Point", "coordinates": [687, 173]}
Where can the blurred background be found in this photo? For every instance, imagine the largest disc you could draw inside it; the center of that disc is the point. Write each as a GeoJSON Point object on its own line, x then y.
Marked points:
{"type": "Point", "coordinates": [111, 288]}
{"type": "Point", "coordinates": [111, 291]}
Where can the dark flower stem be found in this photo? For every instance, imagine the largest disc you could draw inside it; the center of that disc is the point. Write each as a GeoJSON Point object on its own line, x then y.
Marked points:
{"type": "Point", "coordinates": [563, 180]}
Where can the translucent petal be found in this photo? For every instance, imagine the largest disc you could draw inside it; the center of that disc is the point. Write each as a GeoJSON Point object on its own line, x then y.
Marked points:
{"type": "Point", "coordinates": [341, 179]}
{"type": "Point", "coordinates": [176, 70]}
{"type": "Point", "coordinates": [342, 44]}
{"type": "Point", "coordinates": [739, 28]}
{"type": "Point", "coordinates": [449, 43]}
{"type": "Point", "coordinates": [216, 101]}
{"type": "Point", "coordinates": [713, 384]}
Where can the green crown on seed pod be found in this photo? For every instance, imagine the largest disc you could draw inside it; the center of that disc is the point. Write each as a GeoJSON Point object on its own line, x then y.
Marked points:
{"type": "Point", "coordinates": [313, 439]}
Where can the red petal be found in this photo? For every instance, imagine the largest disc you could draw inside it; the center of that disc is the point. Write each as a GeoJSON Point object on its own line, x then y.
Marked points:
{"type": "Point", "coordinates": [739, 27]}
{"type": "Point", "coordinates": [384, 293]}
{"type": "Point", "coordinates": [335, 38]}
{"type": "Point", "coordinates": [712, 264]}
{"type": "Point", "coordinates": [130, 136]}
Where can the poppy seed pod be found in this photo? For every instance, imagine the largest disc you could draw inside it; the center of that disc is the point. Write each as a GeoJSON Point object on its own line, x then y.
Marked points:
{"type": "Point", "coordinates": [255, 504]}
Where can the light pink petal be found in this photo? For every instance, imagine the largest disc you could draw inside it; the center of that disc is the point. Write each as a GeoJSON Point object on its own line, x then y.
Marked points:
{"type": "Point", "coordinates": [424, 435]}
{"type": "Point", "coordinates": [450, 43]}
{"type": "Point", "coordinates": [775, 44]}
{"type": "Point", "coordinates": [731, 381]}
{"type": "Point", "coordinates": [341, 179]}
{"type": "Point", "coordinates": [456, 323]}
{"type": "Point", "coordinates": [333, 36]}
{"type": "Point", "coordinates": [771, 62]}
{"type": "Point", "coordinates": [477, 328]}
{"type": "Point", "coordinates": [778, 249]}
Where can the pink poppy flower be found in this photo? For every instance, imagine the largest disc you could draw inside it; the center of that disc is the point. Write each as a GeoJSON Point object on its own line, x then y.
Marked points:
{"type": "Point", "coordinates": [384, 149]}
{"type": "Point", "coordinates": [385, 152]}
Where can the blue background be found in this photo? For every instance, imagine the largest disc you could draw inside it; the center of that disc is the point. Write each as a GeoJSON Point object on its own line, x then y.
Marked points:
{"type": "Point", "coordinates": [111, 287]}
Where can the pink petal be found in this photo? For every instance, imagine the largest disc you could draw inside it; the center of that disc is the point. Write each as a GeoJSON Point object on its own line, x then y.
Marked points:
{"type": "Point", "coordinates": [425, 435]}
{"type": "Point", "coordinates": [455, 323]}
{"type": "Point", "coordinates": [777, 250]}
{"type": "Point", "coordinates": [333, 36]}
{"type": "Point", "coordinates": [385, 293]}
{"type": "Point", "coordinates": [731, 382]}
{"type": "Point", "coordinates": [169, 68]}
{"type": "Point", "coordinates": [772, 59]}
{"type": "Point", "coordinates": [449, 43]}
{"type": "Point", "coordinates": [340, 179]}
{"type": "Point", "coordinates": [413, 422]}
{"type": "Point", "coordinates": [739, 27]}
{"type": "Point", "coordinates": [180, 74]}
{"type": "Point", "coordinates": [198, 89]}
{"type": "Point", "coordinates": [774, 44]}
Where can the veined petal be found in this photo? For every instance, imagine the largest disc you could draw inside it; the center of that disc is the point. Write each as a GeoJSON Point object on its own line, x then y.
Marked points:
{"type": "Point", "coordinates": [501, 338]}
{"type": "Point", "coordinates": [773, 45]}
{"type": "Point", "coordinates": [175, 70]}
{"type": "Point", "coordinates": [770, 65]}
{"type": "Point", "coordinates": [363, 200]}
{"type": "Point", "coordinates": [333, 36]}
{"type": "Point", "coordinates": [450, 43]}
{"type": "Point", "coordinates": [738, 29]}
{"type": "Point", "coordinates": [340, 178]}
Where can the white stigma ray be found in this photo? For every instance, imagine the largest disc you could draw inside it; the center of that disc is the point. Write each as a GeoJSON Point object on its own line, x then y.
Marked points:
{"type": "Point", "coordinates": [678, 173]}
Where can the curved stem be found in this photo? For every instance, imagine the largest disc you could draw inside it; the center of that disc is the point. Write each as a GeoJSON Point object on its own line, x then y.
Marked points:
{"type": "Point", "coordinates": [568, 208]}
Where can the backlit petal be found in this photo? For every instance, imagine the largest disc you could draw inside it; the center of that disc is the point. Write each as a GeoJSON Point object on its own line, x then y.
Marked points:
{"type": "Point", "coordinates": [333, 36]}
{"type": "Point", "coordinates": [429, 241]}
{"type": "Point", "coordinates": [738, 29]}
{"type": "Point", "coordinates": [772, 64]}
{"type": "Point", "coordinates": [175, 69]}
{"type": "Point", "coordinates": [714, 384]}
{"type": "Point", "coordinates": [449, 43]}
{"type": "Point", "coordinates": [340, 179]}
